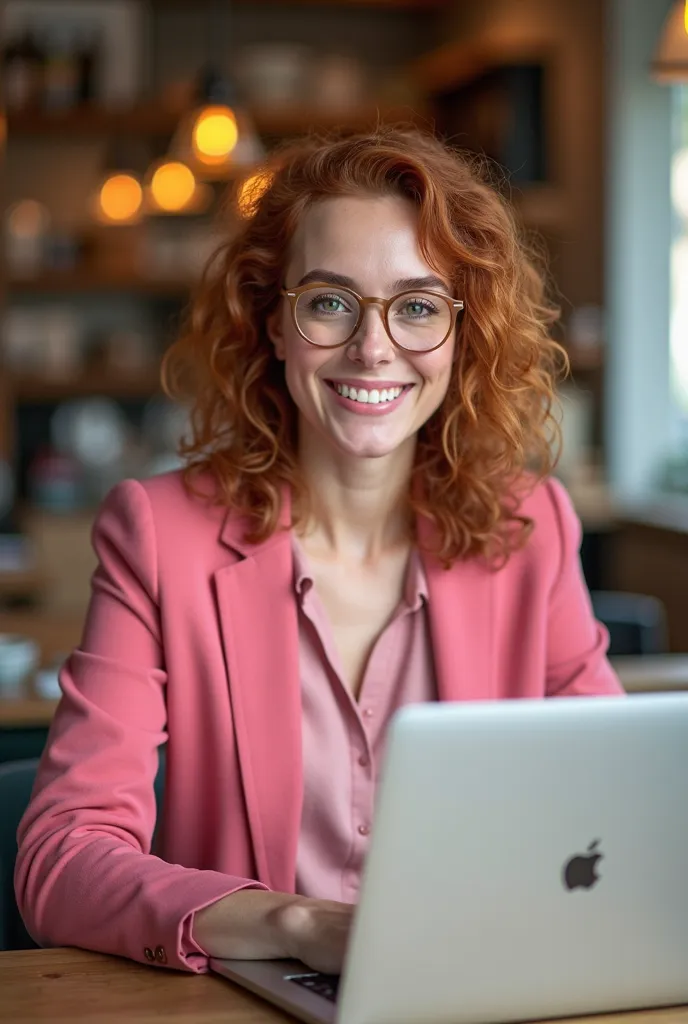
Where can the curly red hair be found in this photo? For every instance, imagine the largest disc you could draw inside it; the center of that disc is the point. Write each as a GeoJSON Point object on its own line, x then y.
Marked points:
{"type": "Point", "coordinates": [493, 437]}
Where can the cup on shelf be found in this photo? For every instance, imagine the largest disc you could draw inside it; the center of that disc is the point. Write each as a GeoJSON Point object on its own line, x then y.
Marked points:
{"type": "Point", "coordinates": [274, 73]}
{"type": "Point", "coordinates": [19, 659]}
{"type": "Point", "coordinates": [47, 681]}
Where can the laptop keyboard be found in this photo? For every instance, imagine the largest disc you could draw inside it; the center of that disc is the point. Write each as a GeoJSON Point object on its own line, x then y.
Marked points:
{"type": "Point", "coordinates": [324, 985]}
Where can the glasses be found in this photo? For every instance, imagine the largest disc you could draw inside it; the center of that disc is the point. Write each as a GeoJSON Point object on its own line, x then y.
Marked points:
{"type": "Point", "coordinates": [416, 321]}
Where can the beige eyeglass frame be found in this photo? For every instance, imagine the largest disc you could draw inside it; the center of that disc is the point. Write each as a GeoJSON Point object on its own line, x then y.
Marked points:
{"type": "Point", "coordinates": [456, 306]}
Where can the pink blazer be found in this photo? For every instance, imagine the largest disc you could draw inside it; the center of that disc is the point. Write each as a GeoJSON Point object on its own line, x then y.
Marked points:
{"type": "Point", "coordinates": [191, 638]}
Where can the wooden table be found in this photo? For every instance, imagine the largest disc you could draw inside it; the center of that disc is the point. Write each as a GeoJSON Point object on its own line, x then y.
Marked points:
{"type": "Point", "coordinates": [62, 986]}
{"type": "Point", "coordinates": [653, 673]}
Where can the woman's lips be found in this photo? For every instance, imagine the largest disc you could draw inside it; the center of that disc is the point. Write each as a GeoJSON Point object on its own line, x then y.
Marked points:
{"type": "Point", "coordinates": [369, 408]}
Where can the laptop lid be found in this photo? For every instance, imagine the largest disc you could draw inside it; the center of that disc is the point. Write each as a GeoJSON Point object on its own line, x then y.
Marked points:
{"type": "Point", "coordinates": [529, 859]}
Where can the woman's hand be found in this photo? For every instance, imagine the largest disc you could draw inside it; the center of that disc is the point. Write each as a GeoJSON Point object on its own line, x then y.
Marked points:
{"type": "Point", "coordinates": [317, 932]}
{"type": "Point", "coordinates": [252, 924]}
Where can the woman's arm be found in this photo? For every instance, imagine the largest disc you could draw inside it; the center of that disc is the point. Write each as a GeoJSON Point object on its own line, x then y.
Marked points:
{"type": "Point", "coordinates": [577, 644]}
{"type": "Point", "coordinates": [84, 872]}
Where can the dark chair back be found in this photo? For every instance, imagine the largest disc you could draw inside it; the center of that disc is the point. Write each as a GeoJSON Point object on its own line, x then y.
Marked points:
{"type": "Point", "coordinates": [16, 783]}
{"type": "Point", "coordinates": [636, 622]}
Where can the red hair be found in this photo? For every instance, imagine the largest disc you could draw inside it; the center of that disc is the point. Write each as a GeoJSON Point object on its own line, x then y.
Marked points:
{"type": "Point", "coordinates": [492, 437]}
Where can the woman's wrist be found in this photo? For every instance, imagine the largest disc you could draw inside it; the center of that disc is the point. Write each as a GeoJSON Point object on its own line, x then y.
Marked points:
{"type": "Point", "coordinates": [249, 924]}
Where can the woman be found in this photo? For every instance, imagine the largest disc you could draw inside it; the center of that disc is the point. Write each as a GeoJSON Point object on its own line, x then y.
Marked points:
{"type": "Point", "coordinates": [367, 520]}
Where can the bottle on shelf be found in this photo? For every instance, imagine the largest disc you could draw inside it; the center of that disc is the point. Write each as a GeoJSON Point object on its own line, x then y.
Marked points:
{"type": "Point", "coordinates": [23, 66]}
{"type": "Point", "coordinates": [88, 58]}
{"type": "Point", "coordinates": [61, 80]}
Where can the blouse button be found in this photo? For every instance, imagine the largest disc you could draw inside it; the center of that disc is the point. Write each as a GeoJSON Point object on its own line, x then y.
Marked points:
{"type": "Point", "coordinates": [363, 761]}
{"type": "Point", "coordinates": [368, 713]}
{"type": "Point", "coordinates": [364, 830]}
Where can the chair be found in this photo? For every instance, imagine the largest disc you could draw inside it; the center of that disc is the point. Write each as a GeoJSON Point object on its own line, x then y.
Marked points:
{"type": "Point", "coordinates": [16, 784]}
{"type": "Point", "coordinates": [636, 622]}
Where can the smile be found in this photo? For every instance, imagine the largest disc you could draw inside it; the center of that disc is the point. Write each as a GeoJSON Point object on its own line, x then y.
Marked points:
{"type": "Point", "coordinates": [371, 401]}
{"type": "Point", "coordinates": [371, 397]}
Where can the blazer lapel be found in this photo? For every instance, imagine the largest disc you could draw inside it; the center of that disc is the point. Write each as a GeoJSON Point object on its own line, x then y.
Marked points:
{"type": "Point", "coordinates": [461, 613]}
{"type": "Point", "coordinates": [259, 627]}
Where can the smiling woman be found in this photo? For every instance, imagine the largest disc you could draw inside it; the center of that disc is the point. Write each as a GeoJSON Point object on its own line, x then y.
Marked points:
{"type": "Point", "coordinates": [429, 220]}
{"type": "Point", "coordinates": [365, 520]}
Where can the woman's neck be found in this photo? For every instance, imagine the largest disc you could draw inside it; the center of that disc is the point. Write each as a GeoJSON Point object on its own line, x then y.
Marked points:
{"type": "Point", "coordinates": [358, 508]}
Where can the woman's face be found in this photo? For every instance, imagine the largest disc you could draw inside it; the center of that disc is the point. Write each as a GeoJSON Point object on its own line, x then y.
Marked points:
{"type": "Point", "coordinates": [371, 244]}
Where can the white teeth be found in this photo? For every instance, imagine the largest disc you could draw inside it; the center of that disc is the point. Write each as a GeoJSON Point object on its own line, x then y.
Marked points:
{"type": "Point", "coordinates": [372, 397]}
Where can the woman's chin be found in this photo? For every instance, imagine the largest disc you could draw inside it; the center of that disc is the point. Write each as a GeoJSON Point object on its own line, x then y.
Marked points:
{"type": "Point", "coordinates": [362, 447]}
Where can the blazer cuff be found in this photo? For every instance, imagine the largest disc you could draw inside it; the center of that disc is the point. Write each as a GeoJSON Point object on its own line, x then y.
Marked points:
{"type": "Point", "coordinates": [184, 953]}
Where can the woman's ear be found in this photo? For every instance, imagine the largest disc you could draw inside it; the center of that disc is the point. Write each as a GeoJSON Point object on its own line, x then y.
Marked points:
{"type": "Point", "coordinates": [275, 333]}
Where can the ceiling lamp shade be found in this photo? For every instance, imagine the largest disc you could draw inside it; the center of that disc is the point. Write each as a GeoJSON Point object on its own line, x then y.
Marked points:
{"type": "Point", "coordinates": [670, 65]}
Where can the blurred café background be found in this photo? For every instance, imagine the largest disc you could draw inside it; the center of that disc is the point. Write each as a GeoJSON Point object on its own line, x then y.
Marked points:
{"type": "Point", "coordinates": [126, 122]}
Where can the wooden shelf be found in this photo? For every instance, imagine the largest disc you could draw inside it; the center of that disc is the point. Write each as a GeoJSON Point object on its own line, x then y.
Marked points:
{"type": "Point", "coordinates": [85, 281]}
{"type": "Point", "coordinates": [29, 712]}
{"type": "Point", "coordinates": [389, 5]}
{"type": "Point", "coordinates": [43, 389]}
{"type": "Point", "coordinates": [457, 63]}
{"type": "Point", "coordinates": [541, 207]}
{"type": "Point", "coordinates": [150, 119]}
{"type": "Point", "coordinates": [298, 120]}
{"type": "Point", "coordinates": [156, 120]}
{"type": "Point", "coordinates": [585, 360]}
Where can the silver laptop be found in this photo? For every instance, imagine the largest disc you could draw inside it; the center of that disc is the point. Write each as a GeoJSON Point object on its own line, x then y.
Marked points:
{"type": "Point", "coordinates": [529, 859]}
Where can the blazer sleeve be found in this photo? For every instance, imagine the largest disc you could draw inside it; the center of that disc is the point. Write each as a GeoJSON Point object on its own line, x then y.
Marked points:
{"type": "Point", "coordinates": [577, 663]}
{"type": "Point", "coordinates": [84, 873]}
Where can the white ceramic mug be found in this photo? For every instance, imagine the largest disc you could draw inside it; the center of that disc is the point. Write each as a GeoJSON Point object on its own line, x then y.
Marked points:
{"type": "Point", "coordinates": [19, 659]}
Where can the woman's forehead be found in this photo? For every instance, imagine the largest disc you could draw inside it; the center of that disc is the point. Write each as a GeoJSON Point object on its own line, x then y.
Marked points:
{"type": "Point", "coordinates": [360, 238]}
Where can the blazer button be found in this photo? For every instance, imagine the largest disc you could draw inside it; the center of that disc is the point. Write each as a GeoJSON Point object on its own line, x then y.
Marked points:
{"type": "Point", "coordinates": [149, 954]}
{"type": "Point", "coordinates": [160, 955]}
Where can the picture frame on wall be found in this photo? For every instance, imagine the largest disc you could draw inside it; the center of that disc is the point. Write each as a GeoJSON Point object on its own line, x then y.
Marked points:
{"type": "Point", "coordinates": [116, 30]}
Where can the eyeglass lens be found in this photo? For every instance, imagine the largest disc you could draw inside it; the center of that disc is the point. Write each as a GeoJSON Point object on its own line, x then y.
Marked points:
{"type": "Point", "coordinates": [418, 321]}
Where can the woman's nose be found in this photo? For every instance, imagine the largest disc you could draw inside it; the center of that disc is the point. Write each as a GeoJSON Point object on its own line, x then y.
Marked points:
{"type": "Point", "coordinates": [371, 344]}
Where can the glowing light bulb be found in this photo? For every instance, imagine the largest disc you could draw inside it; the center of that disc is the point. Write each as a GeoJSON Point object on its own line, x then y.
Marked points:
{"type": "Point", "coordinates": [120, 198]}
{"type": "Point", "coordinates": [251, 191]}
{"type": "Point", "coordinates": [173, 186]}
{"type": "Point", "coordinates": [215, 134]}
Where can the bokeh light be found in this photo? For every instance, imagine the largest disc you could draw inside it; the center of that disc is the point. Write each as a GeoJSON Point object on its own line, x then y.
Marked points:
{"type": "Point", "coordinates": [214, 135]}
{"type": "Point", "coordinates": [173, 186]}
{"type": "Point", "coordinates": [120, 198]}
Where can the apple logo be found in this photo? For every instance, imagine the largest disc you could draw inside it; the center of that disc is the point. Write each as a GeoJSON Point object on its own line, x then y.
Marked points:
{"type": "Point", "coordinates": [580, 872]}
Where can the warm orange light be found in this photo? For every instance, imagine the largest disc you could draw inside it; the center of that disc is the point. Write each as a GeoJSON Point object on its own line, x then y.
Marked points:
{"type": "Point", "coordinates": [250, 192]}
{"type": "Point", "coordinates": [173, 186]}
{"type": "Point", "coordinates": [120, 198]}
{"type": "Point", "coordinates": [215, 134]}
{"type": "Point", "coordinates": [685, 17]}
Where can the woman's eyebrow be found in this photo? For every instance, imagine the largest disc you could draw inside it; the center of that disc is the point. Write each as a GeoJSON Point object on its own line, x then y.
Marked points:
{"type": "Point", "coordinates": [404, 284]}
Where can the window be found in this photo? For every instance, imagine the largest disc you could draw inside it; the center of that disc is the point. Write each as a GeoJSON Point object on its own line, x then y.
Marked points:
{"type": "Point", "coordinates": [679, 255]}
